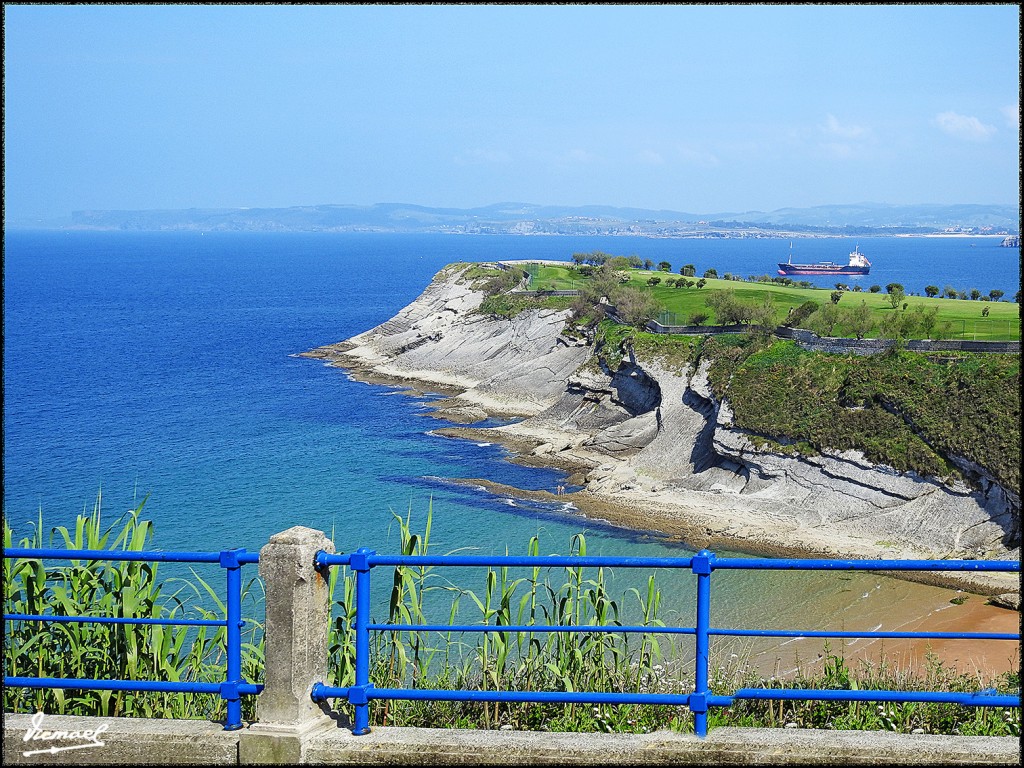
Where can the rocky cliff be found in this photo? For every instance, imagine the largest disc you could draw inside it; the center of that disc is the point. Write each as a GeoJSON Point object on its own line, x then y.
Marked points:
{"type": "Point", "coordinates": [653, 441]}
{"type": "Point", "coordinates": [517, 366]}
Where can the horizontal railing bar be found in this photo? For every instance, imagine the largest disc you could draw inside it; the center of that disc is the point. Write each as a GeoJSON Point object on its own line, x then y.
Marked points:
{"type": "Point", "coordinates": [880, 635]}
{"type": "Point", "coordinates": [581, 628]}
{"type": "Point", "coordinates": [126, 685]}
{"type": "Point", "coordinates": [749, 563]}
{"type": "Point", "coordinates": [526, 561]}
{"type": "Point", "coordinates": [538, 561]}
{"type": "Point", "coordinates": [557, 561]}
{"type": "Point", "coordinates": [563, 697]}
{"type": "Point", "coordinates": [116, 620]}
{"type": "Point", "coordinates": [115, 555]}
{"type": "Point", "coordinates": [615, 629]}
{"type": "Point", "coordinates": [566, 697]}
{"type": "Point", "coordinates": [978, 698]}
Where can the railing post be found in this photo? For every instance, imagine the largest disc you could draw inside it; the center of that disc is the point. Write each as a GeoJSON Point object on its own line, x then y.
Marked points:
{"type": "Point", "coordinates": [357, 693]}
{"type": "Point", "coordinates": [702, 566]}
{"type": "Point", "coordinates": [233, 599]}
{"type": "Point", "coordinates": [297, 621]}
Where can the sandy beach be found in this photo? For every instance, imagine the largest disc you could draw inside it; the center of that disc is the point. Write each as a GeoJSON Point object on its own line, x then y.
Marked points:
{"type": "Point", "coordinates": [984, 658]}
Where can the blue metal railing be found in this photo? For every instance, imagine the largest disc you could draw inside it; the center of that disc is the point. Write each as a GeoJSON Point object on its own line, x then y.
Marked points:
{"type": "Point", "coordinates": [233, 687]}
{"type": "Point", "coordinates": [703, 564]}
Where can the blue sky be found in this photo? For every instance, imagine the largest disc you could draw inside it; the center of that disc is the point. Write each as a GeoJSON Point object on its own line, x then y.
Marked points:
{"type": "Point", "coordinates": [699, 109]}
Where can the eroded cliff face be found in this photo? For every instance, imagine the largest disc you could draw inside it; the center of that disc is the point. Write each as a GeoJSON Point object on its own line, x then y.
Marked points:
{"type": "Point", "coordinates": [518, 365]}
{"type": "Point", "coordinates": [640, 426]}
{"type": "Point", "coordinates": [686, 439]}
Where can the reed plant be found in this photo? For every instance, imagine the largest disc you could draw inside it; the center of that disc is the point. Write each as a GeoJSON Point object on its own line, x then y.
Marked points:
{"type": "Point", "coordinates": [515, 660]}
{"type": "Point", "coordinates": [114, 589]}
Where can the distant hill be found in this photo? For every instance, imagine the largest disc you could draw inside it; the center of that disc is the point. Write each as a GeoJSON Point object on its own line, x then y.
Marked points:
{"type": "Point", "coordinates": [527, 218]}
{"type": "Point", "coordinates": [881, 215]}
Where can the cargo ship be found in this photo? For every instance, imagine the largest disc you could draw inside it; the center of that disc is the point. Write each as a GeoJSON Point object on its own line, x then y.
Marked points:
{"type": "Point", "coordinates": [859, 265]}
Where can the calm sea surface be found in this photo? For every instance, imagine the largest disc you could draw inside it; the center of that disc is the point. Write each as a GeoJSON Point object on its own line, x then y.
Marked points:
{"type": "Point", "coordinates": [163, 365]}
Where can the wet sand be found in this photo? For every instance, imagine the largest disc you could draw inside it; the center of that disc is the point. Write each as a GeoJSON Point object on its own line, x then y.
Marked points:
{"type": "Point", "coordinates": [986, 658]}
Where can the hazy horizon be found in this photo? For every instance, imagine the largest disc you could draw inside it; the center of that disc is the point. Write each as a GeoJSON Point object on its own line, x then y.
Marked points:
{"type": "Point", "coordinates": [696, 109]}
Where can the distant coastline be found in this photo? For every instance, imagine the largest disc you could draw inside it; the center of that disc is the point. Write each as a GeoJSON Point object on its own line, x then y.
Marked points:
{"type": "Point", "coordinates": [955, 234]}
{"type": "Point", "coordinates": [857, 220]}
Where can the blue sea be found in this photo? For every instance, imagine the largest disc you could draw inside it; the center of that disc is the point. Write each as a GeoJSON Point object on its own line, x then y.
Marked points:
{"type": "Point", "coordinates": [163, 365]}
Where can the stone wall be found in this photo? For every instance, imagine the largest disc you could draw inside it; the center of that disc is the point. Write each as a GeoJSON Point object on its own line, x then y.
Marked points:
{"type": "Point", "coordinates": [812, 342]}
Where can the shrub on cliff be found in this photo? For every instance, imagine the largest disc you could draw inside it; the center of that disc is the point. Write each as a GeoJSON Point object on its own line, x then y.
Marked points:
{"type": "Point", "coordinates": [859, 320]}
{"type": "Point", "coordinates": [727, 308]}
{"type": "Point", "coordinates": [824, 321]}
{"type": "Point", "coordinates": [635, 307]}
{"type": "Point", "coordinates": [502, 281]}
{"type": "Point", "coordinates": [798, 314]}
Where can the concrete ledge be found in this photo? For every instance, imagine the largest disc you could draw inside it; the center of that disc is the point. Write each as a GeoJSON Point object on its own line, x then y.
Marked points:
{"type": "Point", "coordinates": [126, 740]}
{"type": "Point", "coordinates": [723, 746]}
{"type": "Point", "coordinates": [196, 742]}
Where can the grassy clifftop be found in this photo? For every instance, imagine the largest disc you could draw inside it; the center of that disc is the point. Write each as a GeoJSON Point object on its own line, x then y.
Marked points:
{"type": "Point", "coordinates": [677, 300]}
{"type": "Point", "coordinates": [908, 410]}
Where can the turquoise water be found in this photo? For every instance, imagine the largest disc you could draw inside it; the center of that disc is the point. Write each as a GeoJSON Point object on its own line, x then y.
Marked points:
{"type": "Point", "coordinates": [162, 364]}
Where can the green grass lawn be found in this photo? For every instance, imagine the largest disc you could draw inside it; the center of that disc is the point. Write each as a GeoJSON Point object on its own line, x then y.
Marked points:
{"type": "Point", "coordinates": [678, 304]}
{"type": "Point", "coordinates": [554, 278]}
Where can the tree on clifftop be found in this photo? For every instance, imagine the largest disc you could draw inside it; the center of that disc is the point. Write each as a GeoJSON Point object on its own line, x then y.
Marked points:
{"type": "Point", "coordinates": [727, 308]}
{"type": "Point", "coordinates": [824, 321]}
{"type": "Point", "coordinates": [859, 320]}
{"type": "Point", "coordinates": [896, 294]}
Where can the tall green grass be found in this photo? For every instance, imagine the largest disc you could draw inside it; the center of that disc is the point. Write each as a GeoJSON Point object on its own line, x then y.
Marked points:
{"type": "Point", "coordinates": [833, 671]}
{"type": "Point", "coordinates": [513, 660]}
{"type": "Point", "coordinates": [519, 660]}
{"type": "Point", "coordinates": [115, 589]}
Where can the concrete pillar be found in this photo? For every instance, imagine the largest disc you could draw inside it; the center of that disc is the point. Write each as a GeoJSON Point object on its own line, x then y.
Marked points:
{"type": "Point", "coordinates": [297, 619]}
